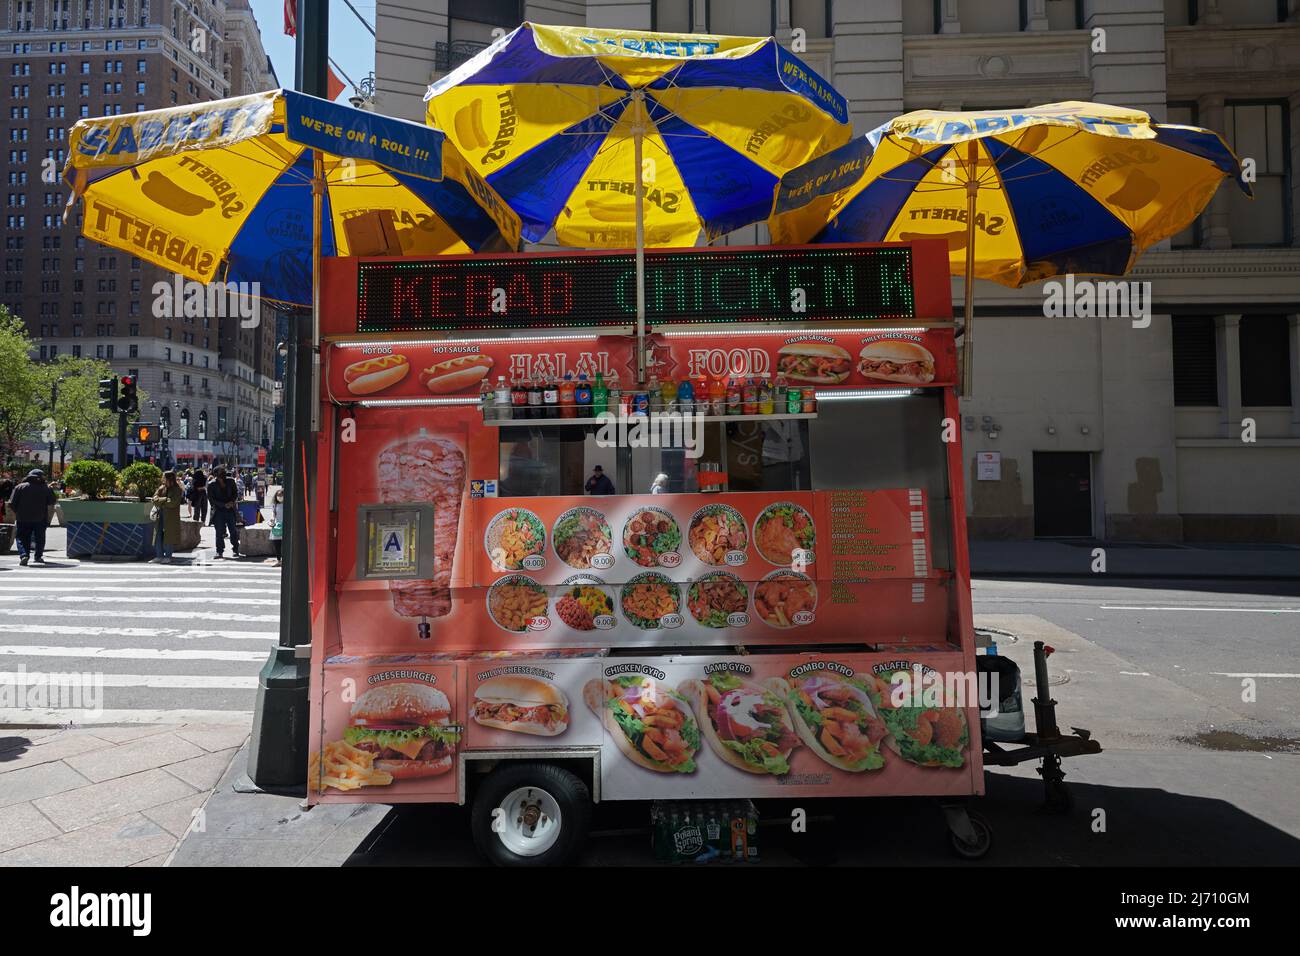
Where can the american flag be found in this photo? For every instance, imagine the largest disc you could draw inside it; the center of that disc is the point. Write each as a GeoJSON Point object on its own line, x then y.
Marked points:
{"type": "Point", "coordinates": [291, 18]}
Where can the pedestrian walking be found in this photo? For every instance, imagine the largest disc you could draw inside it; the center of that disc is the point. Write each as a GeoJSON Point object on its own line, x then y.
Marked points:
{"type": "Point", "coordinates": [275, 504]}
{"type": "Point", "coordinates": [167, 504]}
{"type": "Point", "coordinates": [198, 497]}
{"type": "Point", "coordinates": [6, 489]}
{"type": "Point", "coordinates": [239, 484]}
{"type": "Point", "coordinates": [32, 503]}
{"type": "Point", "coordinates": [223, 496]}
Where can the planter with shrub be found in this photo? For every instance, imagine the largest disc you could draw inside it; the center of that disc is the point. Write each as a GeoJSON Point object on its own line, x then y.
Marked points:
{"type": "Point", "coordinates": [98, 524]}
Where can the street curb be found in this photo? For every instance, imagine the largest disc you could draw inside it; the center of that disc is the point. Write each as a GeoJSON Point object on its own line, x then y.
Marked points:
{"type": "Point", "coordinates": [211, 793]}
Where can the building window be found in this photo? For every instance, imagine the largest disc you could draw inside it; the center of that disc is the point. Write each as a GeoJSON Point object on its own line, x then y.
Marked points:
{"type": "Point", "coordinates": [185, 423]}
{"type": "Point", "coordinates": [1258, 131]}
{"type": "Point", "coordinates": [1196, 366]}
{"type": "Point", "coordinates": [742, 18]}
{"type": "Point", "coordinates": [203, 424]}
{"type": "Point", "coordinates": [1265, 347]}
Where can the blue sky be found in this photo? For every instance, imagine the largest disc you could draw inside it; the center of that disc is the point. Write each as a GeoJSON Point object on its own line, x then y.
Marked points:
{"type": "Point", "coordinates": [351, 45]}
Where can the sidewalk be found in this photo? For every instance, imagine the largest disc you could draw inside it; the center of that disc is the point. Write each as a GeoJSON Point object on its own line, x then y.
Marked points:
{"type": "Point", "coordinates": [1051, 559]}
{"type": "Point", "coordinates": [107, 796]}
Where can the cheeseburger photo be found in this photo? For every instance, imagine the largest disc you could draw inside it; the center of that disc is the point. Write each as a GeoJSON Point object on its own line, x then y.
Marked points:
{"type": "Point", "coordinates": [407, 726]}
{"type": "Point", "coordinates": [522, 704]}
{"type": "Point", "coordinates": [896, 360]}
{"type": "Point", "coordinates": [823, 363]}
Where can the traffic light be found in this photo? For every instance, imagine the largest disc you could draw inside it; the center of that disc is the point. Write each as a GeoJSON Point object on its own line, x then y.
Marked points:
{"type": "Point", "coordinates": [145, 434]}
{"type": "Point", "coordinates": [128, 401]}
{"type": "Point", "coordinates": [108, 394]}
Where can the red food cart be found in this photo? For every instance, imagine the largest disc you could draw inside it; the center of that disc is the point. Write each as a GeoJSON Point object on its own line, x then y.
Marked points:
{"type": "Point", "coordinates": [774, 602]}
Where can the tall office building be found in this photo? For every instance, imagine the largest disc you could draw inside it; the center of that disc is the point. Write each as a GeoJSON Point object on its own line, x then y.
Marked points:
{"type": "Point", "coordinates": [1183, 428]}
{"type": "Point", "coordinates": [207, 377]}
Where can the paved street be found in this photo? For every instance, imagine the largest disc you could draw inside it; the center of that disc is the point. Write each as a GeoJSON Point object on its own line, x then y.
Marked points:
{"type": "Point", "coordinates": [1153, 667]}
{"type": "Point", "coordinates": [174, 643]}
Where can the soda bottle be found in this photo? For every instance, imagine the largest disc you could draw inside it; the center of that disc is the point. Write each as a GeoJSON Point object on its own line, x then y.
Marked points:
{"type": "Point", "coordinates": [582, 397]}
{"type": "Point", "coordinates": [656, 397]}
{"type": "Point", "coordinates": [686, 396]}
{"type": "Point", "coordinates": [667, 393]}
{"type": "Point", "coordinates": [718, 397]}
{"type": "Point", "coordinates": [750, 394]}
{"type": "Point", "coordinates": [765, 402]}
{"type": "Point", "coordinates": [518, 398]}
{"type": "Point", "coordinates": [568, 406]}
{"type": "Point", "coordinates": [551, 399]}
{"type": "Point", "coordinates": [535, 398]}
{"type": "Point", "coordinates": [486, 400]}
{"type": "Point", "coordinates": [781, 395]}
{"type": "Point", "coordinates": [733, 397]}
{"type": "Point", "coordinates": [502, 398]}
{"type": "Point", "coordinates": [599, 395]}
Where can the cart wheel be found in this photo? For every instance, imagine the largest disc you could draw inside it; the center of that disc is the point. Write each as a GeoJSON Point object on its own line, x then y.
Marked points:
{"type": "Point", "coordinates": [530, 814]}
{"type": "Point", "coordinates": [980, 846]}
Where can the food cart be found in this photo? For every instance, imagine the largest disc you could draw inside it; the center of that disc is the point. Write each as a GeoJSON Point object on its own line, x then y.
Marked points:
{"type": "Point", "coordinates": [774, 602]}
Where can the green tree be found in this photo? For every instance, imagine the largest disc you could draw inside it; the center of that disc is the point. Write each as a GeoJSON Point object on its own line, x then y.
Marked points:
{"type": "Point", "coordinates": [20, 381]}
{"type": "Point", "coordinates": [76, 408]}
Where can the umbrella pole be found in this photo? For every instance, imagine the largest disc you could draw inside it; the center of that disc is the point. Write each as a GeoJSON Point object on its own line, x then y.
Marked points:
{"type": "Point", "coordinates": [638, 132]}
{"type": "Point", "coordinates": [317, 207]}
{"type": "Point", "coordinates": [968, 342]}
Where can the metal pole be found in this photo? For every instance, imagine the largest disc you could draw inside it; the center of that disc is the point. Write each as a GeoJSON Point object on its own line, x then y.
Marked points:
{"type": "Point", "coordinates": [121, 439]}
{"type": "Point", "coordinates": [277, 754]}
{"type": "Point", "coordinates": [638, 134]}
{"type": "Point", "coordinates": [317, 206]}
{"type": "Point", "coordinates": [968, 341]}
{"type": "Point", "coordinates": [54, 401]}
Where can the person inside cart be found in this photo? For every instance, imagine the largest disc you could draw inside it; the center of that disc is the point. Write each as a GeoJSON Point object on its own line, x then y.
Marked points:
{"type": "Point", "coordinates": [599, 483]}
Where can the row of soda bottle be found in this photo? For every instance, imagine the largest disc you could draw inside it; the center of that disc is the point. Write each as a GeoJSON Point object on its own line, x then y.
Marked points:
{"type": "Point", "coordinates": [579, 398]}
{"type": "Point", "coordinates": [704, 831]}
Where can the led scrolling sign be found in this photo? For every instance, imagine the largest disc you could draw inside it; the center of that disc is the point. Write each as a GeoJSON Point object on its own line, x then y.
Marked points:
{"type": "Point", "coordinates": [682, 286]}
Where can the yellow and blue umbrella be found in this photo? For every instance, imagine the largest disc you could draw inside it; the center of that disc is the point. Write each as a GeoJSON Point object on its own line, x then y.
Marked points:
{"type": "Point", "coordinates": [558, 119]}
{"type": "Point", "coordinates": [1019, 195]}
{"type": "Point", "coordinates": [224, 190]}
{"type": "Point", "coordinates": [1078, 188]}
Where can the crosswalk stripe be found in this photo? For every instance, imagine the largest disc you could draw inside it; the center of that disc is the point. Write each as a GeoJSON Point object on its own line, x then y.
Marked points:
{"type": "Point", "coordinates": [131, 568]}
{"type": "Point", "coordinates": [154, 599]}
{"type": "Point", "coordinates": [42, 589]}
{"type": "Point", "coordinates": [63, 718]}
{"type": "Point", "coordinates": [172, 681]}
{"type": "Point", "coordinates": [129, 653]}
{"type": "Point", "coordinates": [162, 633]}
{"type": "Point", "coordinates": [150, 615]}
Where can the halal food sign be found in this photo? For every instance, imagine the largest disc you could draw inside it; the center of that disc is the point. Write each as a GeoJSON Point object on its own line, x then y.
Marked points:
{"type": "Point", "coordinates": [798, 284]}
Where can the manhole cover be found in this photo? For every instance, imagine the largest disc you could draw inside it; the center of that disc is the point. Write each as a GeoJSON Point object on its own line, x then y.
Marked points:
{"type": "Point", "coordinates": [1053, 680]}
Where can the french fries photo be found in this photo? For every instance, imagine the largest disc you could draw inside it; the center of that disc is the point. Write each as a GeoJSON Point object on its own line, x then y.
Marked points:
{"type": "Point", "coordinates": [344, 767]}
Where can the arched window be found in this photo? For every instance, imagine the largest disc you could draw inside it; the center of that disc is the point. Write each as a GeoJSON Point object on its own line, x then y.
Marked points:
{"type": "Point", "coordinates": [203, 424]}
{"type": "Point", "coordinates": [185, 423]}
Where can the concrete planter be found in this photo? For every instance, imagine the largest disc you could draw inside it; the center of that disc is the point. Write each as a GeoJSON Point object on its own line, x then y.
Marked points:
{"type": "Point", "coordinates": [113, 528]}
